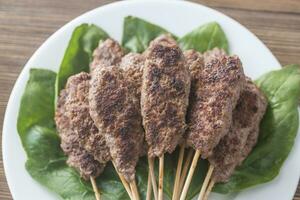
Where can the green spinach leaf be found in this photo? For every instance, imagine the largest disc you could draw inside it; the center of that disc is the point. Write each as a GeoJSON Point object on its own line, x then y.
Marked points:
{"type": "Point", "coordinates": [137, 33]}
{"type": "Point", "coordinates": [204, 38]}
{"type": "Point", "coordinates": [41, 83]}
{"type": "Point", "coordinates": [36, 127]}
{"type": "Point", "coordinates": [79, 52]}
{"type": "Point", "coordinates": [277, 134]}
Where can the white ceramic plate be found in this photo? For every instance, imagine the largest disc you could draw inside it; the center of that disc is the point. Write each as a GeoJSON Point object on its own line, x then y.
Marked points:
{"type": "Point", "coordinates": [177, 16]}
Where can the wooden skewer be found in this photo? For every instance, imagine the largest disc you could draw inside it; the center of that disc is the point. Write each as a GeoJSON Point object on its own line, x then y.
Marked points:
{"type": "Point", "coordinates": [149, 187]}
{"type": "Point", "coordinates": [153, 179]}
{"type": "Point", "coordinates": [185, 170]}
{"type": "Point", "coordinates": [134, 190]}
{"type": "Point", "coordinates": [210, 187]}
{"type": "Point", "coordinates": [124, 182]}
{"type": "Point", "coordinates": [206, 181]}
{"type": "Point", "coordinates": [178, 172]}
{"type": "Point", "coordinates": [96, 191]}
{"type": "Point", "coordinates": [161, 178]}
{"type": "Point", "coordinates": [190, 175]}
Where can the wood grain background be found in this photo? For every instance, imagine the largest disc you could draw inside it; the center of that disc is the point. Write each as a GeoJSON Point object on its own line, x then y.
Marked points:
{"type": "Point", "coordinates": [26, 24]}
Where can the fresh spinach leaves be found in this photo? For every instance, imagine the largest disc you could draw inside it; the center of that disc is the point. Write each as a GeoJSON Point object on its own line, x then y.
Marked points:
{"type": "Point", "coordinates": [78, 54]}
{"type": "Point", "coordinates": [204, 38]}
{"type": "Point", "coordinates": [137, 33]}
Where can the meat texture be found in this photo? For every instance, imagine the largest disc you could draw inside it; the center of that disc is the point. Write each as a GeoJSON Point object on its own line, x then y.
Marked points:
{"type": "Point", "coordinates": [213, 53]}
{"type": "Point", "coordinates": [80, 138]}
{"type": "Point", "coordinates": [215, 91]}
{"type": "Point", "coordinates": [107, 53]}
{"type": "Point", "coordinates": [165, 92]}
{"type": "Point", "coordinates": [77, 107]}
{"type": "Point", "coordinates": [115, 108]}
{"type": "Point", "coordinates": [133, 64]}
{"type": "Point", "coordinates": [195, 64]}
{"type": "Point", "coordinates": [78, 157]}
{"type": "Point", "coordinates": [243, 134]}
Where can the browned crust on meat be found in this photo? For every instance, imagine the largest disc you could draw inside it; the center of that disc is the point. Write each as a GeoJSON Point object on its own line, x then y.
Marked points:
{"type": "Point", "coordinates": [133, 64]}
{"type": "Point", "coordinates": [195, 63]}
{"type": "Point", "coordinates": [84, 163]}
{"type": "Point", "coordinates": [108, 53]}
{"type": "Point", "coordinates": [62, 122]}
{"type": "Point", "coordinates": [115, 109]}
{"type": "Point", "coordinates": [253, 136]}
{"type": "Point", "coordinates": [214, 96]}
{"type": "Point", "coordinates": [78, 158]}
{"type": "Point", "coordinates": [165, 91]}
{"type": "Point", "coordinates": [243, 134]}
{"type": "Point", "coordinates": [77, 106]}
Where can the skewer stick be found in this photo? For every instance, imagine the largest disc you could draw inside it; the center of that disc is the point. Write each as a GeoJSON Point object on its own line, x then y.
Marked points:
{"type": "Point", "coordinates": [127, 188]}
{"type": "Point", "coordinates": [134, 190]}
{"type": "Point", "coordinates": [152, 175]}
{"type": "Point", "coordinates": [185, 170]}
{"type": "Point", "coordinates": [210, 186]}
{"type": "Point", "coordinates": [96, 191]}
{"type": "Point", "coordinates": [149, 187]}
{"type": "Point", "coordinates": [124, 182]}
{"type": "Point", "coordinates": [178, 172]}
{"type": "Point", "coordinates": [206, 181]}
{"type": "Point", "coordinates": [161, 178]}
{"type": "Point", "coordinates": [190, 175]}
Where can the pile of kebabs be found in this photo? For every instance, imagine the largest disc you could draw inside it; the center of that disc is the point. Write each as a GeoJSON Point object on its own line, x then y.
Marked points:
{"type": "Point", "coordinates": [133, 105]}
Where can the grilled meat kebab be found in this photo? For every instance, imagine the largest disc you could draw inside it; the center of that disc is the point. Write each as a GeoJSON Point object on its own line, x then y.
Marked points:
{"type": "Point", "coordinates": [165, 91]}
{"type": "Point", "coordinates": [215, 92]}
{"type": "Point", "coordinates": [114, 106]}
{"type": "Point", "coordinates": [81, 140]}
{"type": "Point", "coordinates": [78, 157]}
{"type": "Point", "coordinates": [195, 64]}
{"type": "Point", "coordinates": [133, 64]}
{"type": "Point", "coordinates": [107, 53]}
{"type": "Point", "coordinates": [99, 116]}
{"type": "Point", "coordinates": [238, 143]}
{"type": "Point", "coordinates": [77, 106]}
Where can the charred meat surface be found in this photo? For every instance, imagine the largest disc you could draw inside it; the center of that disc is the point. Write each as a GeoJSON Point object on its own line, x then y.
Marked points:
{"type": "Point", "coordinates": [165, 91]}
{"type": "Point", "coordinates": [133, 64]}
{"type": "Point", "coordinates": [78, 157]}
{"type": "Point", "coordinates": [115, 109]}
{"type": "Point", "coordinates": [85, 164]}
{"type": "Point", "coordinates": [243, 134]}
{"type": "Point", "coordinates": [216, 90]}
{"type": "Point", "coordinates": [77, 110]}
{"type": "Point", "coordinates": [109, 52]}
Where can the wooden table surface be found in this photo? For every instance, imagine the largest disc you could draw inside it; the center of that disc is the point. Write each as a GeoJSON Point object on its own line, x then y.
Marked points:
{"type": "Point", "coordinates": [26, 24]}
